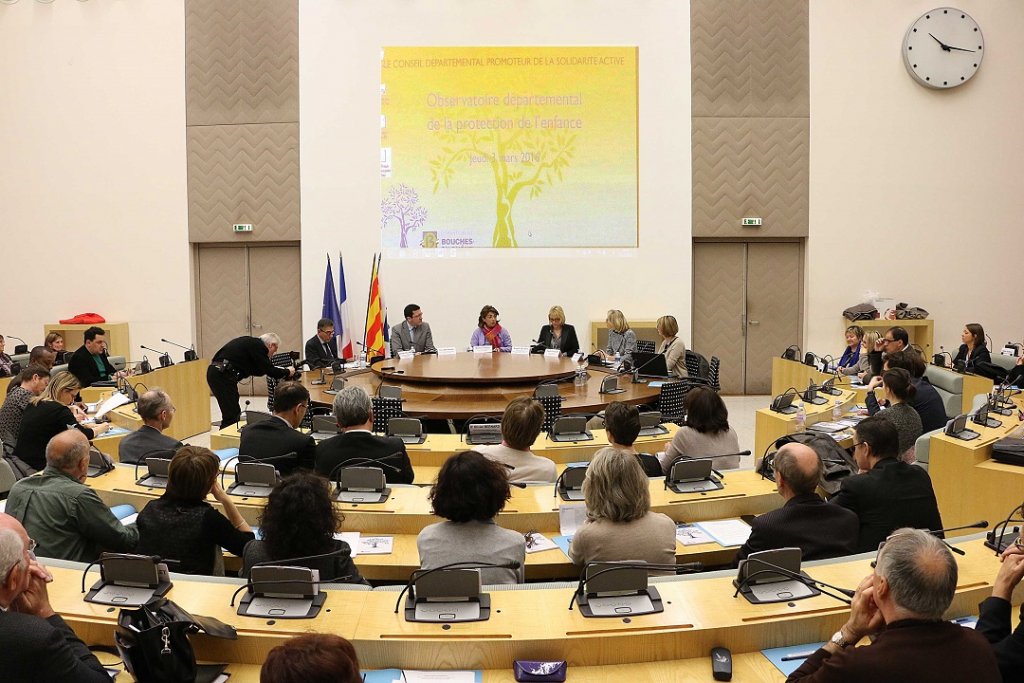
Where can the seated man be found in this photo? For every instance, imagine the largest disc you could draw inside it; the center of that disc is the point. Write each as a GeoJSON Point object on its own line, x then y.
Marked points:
{"type": "Point", "coordinates": [622, 426]}
{"type": "Point", "coordinates": [89, 363]}
{"type": "Point", "coordinates": [895, 339]}
{"type": "Point", "coordinates": [157, 411]}
{"type": "Point", "coordinates": [354, 413]}
{"type": "Point", "coordinates": [902, 603]}
{"type": "Point", "coordinates": [890, 494]}
{"type": "Point", "coordinates": [40, 355]}
{"type": "Point", "coordinates": [413, 334]}
{"type": "Point", "coordinates": [64, 516]}
{"type": "Point", "coordinates": [806, 521]}
{"type": "Point", "coordinates": [322, 347]}
{"type": "Point", "coordinates": [278, 436]}
{"type": "Point", "coordinates": [38, 645]}
{"type": "Point", "coordinates": [520, 426]}
{"type": "Point", "coordinates": [31, 382]}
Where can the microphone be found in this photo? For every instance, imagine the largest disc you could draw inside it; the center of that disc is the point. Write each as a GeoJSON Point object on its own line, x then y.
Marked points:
{"type": "Point", "coordinates": [558, 480]}
{"type": "Point", "coordinates": [22, 348]}
{"type": "Point", "coordinates": [165, 357]}
{"type": "Point", "coordinates": [681, 458]}
{"type": "Point", "coordinates": [806, 580]}
{"type": "Point", "coordinates": [682, 568]}
{"type": "Point", "coordinates": [190, 351]}
{"type": "Point", "coordinates": [420, 573]}
{"type": "Point", "coordinates": [940, 533]}
{"type": "Point", "coordinates": [355, 462]}
{"type": "Point", "coordinates": [792, 352]}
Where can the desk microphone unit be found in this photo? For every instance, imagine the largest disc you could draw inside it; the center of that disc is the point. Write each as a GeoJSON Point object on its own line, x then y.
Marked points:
{"type": "Point", "coordinates": [617, 589]}
{"type": "Point", "coordinates": [253, 480]}
{"type": "Point", "coordinates": [569, 485]}
{"type": "Point", "coordinates": [570, 428]}
{"type": "Point", "coordinates": [254, 416]}
{"type": "Point", "coordinates": [190, 351]}
{"type": "Point", "coordinates": [450, 593]}
{"type": "Point", "coordinates": [694, 475]}
{"type": "Point", "coordinates": [365, 485]}
{"type": "Point", "coordinates": [1002, 536]}
{"type": "Point", "coordinates": [127, 580]}
{"type": "Point", "coordinates": [957, 428]}
{"type": "Point", "coordinates": [281, 592]}
{"type": "Point", "coordinates": [484, 433]}
{"type": "Point", "coordinates": [791, 352]}
{"type": "Point", "coordinates": [783, 403]}
{"type": "Point", "coordinates": [828, 387]}
{"type": "Point", "coordinates": [98, 463]}
{"type": "Point", "coordinates": [408, 429]}
{"type": "Point", "coordinates": [650, 424]}
{"type": "Point", "coordinates": [981, 417]}
{"type": "Point", "coordinates": [156, 476]}
{"type": "Point", "coordinates": [774, 576]}
{"type": "Point", "coordinates": [810, 395]}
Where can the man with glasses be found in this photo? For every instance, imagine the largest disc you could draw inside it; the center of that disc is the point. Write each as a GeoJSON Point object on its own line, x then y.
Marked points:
{"type": "Point", "coordinates": [38, 645]}
{"type": "Point", "coordinates": [895, 339]}
{"type": "Point", "coordinates": [806, 521]}
{"type": "Point", "coordinates": [278, 436]}
{"type": "Point", "coordinates": [413, 334]}
{"type": "Point", "coordinates": [322, 347]}
{"type": "Point", "coordinates": [887, 494]}
{"type": "Point", "coordinates": [902, 603]}
{"type": "Point", "coordinates": [156, 410]}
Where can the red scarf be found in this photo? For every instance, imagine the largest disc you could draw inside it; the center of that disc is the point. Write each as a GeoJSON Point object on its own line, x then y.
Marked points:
{"type": "Point", "coordinates": [493, 335]}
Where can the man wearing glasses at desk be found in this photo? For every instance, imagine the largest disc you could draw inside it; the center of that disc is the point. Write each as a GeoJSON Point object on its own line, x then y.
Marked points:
{"type": "Point", "coordinates": [895, 339]}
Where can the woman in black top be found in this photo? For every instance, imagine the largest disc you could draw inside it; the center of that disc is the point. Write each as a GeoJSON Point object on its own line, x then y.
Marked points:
{"type": "Point", "coordinates": [180, 525]}
{"type": "Point", "coordinates": [299, 521]}
{"type": "Point", "coordinates": [49, 414]}
{"type": "Point", "coordinates": [973, 350]}
{"type": "Point", "coordinates": [557, 334]}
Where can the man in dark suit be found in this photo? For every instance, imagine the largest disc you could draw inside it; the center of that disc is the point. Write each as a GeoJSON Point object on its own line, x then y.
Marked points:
{"type": "Point", "coordinates": [156, 410]}
{"type": "Point", "coordinates": [89, 363]}
{"type": "Point", "coordinates": [322, 347]}
{"type": "Point", "coordinates": [240, 358]}
{"type": "Point", "coordinates": [806, 521]}
{"type": "Point", "coordinates": [413, 334]}
{"type": "Point", "coordinates": [38, 645]}
{"type": "Point", "coordinates": [358, 445]}
{"type": "Point", "coordinates": [926, 401]}
{"type": "Point", "coordinates": [889, 494]}
{"type": "Point", "coordinates": [278, 436]}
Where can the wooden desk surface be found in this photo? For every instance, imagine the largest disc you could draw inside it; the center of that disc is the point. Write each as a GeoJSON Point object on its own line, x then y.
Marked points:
{"type": "Point", "coordinates": [472, 368]}
{"type": "Point", "coordinates": [699, 613]}
{"type": "Point", "coordinates": [769, 425]}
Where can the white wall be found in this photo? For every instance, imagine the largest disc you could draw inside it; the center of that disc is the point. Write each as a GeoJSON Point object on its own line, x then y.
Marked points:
{"type": "Point", "coordinates": [93, 207]}
{"type": "Point", "coordinates": [340, 139]}
{"type": "Point", "coordinates": [915, 193]}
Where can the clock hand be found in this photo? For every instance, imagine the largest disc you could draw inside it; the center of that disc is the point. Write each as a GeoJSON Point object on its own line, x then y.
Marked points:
{"type": "Point", "coordinates": [942, 44]}
{"type": "Point", "coordinates": [950, 47]}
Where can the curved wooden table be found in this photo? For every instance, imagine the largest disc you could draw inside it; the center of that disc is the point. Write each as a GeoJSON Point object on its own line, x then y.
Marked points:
{"type": "Point", "coordinates": [464, 385]}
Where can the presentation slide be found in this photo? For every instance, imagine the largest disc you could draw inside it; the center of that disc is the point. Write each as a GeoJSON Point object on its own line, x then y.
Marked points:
{"type": "Point", "coordinates": [508, 147]}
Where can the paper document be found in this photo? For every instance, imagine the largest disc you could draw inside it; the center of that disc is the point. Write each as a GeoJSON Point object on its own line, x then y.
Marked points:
{"type": "Point", "coordinates": [116, 400]}
{"type": "Point", "coordinates": [571, 517]}
{"type": "Point", "coordinates": [687, 534]}
{"type": "Point", "coordinates": [376, 545]}
{"type": "Point", "coordinates": [130, 519]}
{"type": "Point", "coordinates": [726, 532]}
{"type": "Point", "coordinates": [539, 542]}
{"type": "Point", "coordinates": [439, 676]}
{"type": "Point", "coordinates": [350, 537]}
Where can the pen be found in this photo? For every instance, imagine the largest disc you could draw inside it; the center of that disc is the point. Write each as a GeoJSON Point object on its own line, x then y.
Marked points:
{"type": "Point", "coordinates": [798, 655]}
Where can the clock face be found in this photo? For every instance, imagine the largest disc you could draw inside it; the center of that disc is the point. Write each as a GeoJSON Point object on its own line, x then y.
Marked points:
{"type": "Point", "coordinates": [943, 48]}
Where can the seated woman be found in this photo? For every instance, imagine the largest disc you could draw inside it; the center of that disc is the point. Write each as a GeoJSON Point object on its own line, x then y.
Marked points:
{"type": "Point", "coordinates": [850, 359]}
{"type": "Point", "coordinates": [298, 521]}
{"type": "Point", "coordinates": [864, 362]}
{"type": "Point", "coordinates": [557, 335]}
{"type": "Point", "coordinates": [470, 490]}
{"type": "Point", "coordinates": [180, 525]}
{"type": "Point", "coordinates": [974, 349]}
{"type": "Point", "coordinates": [6, 362]}
{"type": "Point", "coordinates": [622, 426]}
{"type": "Point", "coordinates": [620, 524]}
{"type": "Point", "coordinates": [899, 393]}
{"type": "Point", "coordinates": [489, 331]}
{"type": "Point", "coordinates": [672, 346]}
{"type": "Point", "coordinates": [49, 414]}
{"type": "Point", "coordinates": [706, 432]}
{"type": "Point", "coordinates": [312, 658]}
{"type": "Point", "coordinates": [55, 342]}
{"type": "Point", "coordinates": [621, 339]}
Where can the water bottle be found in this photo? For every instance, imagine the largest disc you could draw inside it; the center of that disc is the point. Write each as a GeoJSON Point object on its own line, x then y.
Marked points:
{"type": "Point", "coordinates": [837, 410]}
{"type": "Point", "coordinates": [801, 418]}
{"type": "Point", "coordinates": [581, 376]}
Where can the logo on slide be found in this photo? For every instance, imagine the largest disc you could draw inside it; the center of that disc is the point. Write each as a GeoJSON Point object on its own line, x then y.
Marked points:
{"type": "Point", "coordinates": [429, 240]}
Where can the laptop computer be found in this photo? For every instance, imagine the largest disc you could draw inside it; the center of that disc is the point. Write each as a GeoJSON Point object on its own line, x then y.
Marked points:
{"type": "Point", "coordinates": [649, 364]}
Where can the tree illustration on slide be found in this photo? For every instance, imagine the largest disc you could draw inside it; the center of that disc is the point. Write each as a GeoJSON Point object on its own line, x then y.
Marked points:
{"type": "Point", "coordinates": [520, 159]}
{"type": "Point", "coordinates": [403, 205]}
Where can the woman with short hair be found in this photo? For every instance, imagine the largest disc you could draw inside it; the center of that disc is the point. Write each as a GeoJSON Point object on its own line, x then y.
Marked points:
{"type": "Point", "coordinates": [49, 414]}
{"type": "Point", "coordinates": [706, 432]}
{"type": "Point", "coordinates": [620, 524]}
{"type": "Point", "coordinates": [180, 525]}
{"type": "Point", "coordinates": [847, 364]}
{"type": "Point", "coordinates": [490, 332]}
{"type": "Point", "coordinates": [621, 339]}
{"type": "Point", "coordinates": [557, 334]}
{"type": "Point", "coordinates": [469, 492]}
{"type": "Point", "coordinates": [312, 658]}
{"type": "Point", "coordinates": [672, 347]}
{"type": "Point", "coordinates": [299, 521]}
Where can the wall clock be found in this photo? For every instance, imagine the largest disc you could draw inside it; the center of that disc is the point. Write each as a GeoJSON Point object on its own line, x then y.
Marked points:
{"type": "Point", "coordinates": [943, 48]}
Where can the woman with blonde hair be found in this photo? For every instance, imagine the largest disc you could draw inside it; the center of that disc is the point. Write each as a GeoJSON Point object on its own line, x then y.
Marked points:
{"type": "Point", "coordinates": [621, 339]}
{"type": "Point", "coordinates": [620, 524]}
{"type": "Point", "coordinates": [49, 414]}
{"type": "Point", "coordinates": [557, 334]}
{"type": "Point", "coordinates": [863, 367]}
{"type": "Point", "coordinates": [672, 347]}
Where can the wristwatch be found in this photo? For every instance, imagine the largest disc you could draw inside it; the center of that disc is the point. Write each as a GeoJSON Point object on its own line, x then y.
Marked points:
{"type": "Point", "coordinates": [838, 640]}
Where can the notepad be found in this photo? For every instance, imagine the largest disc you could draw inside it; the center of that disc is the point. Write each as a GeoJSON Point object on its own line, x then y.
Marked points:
{"type": "Point", "coordinates": [539, 543]}
{"type": "Point", "coordinates": [688, 534]}
{"type": "Point", "coordinates": [726, 532]}
{"type": "Point", "coordinates": [787, 667]}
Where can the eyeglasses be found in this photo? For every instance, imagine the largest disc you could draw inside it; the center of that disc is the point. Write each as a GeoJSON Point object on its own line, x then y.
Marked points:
{"type": "Point", "coordinates": [860, 443]}
{"type": "Point", "coordinates": [530, 540]}
{"type": "Point", "coordinates": [888, 341]}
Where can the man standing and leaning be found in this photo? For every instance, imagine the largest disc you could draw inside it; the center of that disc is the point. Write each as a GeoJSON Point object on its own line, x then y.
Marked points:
{"type": "Point", "coordinates": [413, 334]}
{"type": "Point", "coordinates": [239, 359]}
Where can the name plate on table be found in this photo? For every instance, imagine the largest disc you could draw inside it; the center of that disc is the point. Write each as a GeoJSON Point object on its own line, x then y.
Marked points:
{"type": "Point", "coordinates": [552, 353]}
{"type": "Point", "coordinates": [406, 355]}
{"type": "Point", "coordinates": [579, 356]}
{"type": "Point", "coordinates": [446, 350]}
{"type": "Point", "coordinates": [520, 350]}
{"type": "Point", "coordinates": [485, 348]}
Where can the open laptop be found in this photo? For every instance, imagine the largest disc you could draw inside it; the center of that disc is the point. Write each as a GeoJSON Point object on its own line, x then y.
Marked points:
{"type": "Point", "coordinates": [650, 364]}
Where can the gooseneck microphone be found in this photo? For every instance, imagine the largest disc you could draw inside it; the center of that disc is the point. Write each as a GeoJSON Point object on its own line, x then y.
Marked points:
{"type": "Point", "coordinates": [806, 580]}
{"type": "Point", "coordinates": [420, 573]}
{"type": "Point", "coordinates": [681, 568]}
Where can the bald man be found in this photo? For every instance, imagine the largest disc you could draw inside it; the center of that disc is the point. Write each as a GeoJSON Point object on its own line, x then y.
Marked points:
{"type": "Point", "coordinates": [806, 521]}
{"type": "Point", "coordinates": [65, 517]}
{"type": "Point", "coordinates": [38, 645]}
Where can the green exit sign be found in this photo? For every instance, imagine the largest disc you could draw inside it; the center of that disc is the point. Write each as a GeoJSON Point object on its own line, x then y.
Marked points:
{"type": "Point", "coordinates": [247, 227]}
{"type": "Point", "coordinates": [747, 222]}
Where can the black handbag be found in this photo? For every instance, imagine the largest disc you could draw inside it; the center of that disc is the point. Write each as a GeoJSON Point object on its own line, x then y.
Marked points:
{"type": "Point", "coordinates": [153, 642]}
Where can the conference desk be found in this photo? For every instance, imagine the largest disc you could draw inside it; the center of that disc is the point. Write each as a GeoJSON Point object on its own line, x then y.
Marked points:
{"type": "Point", "coordinates": [185, 383]}
{"type": "Point", "coordinates": [770, 425]}
{"type": "Point", "coordinates": [699, 613]}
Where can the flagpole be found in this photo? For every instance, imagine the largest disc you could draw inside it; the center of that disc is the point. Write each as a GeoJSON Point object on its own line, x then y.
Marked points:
{"type": "Point", "coordinates": [369, 298]}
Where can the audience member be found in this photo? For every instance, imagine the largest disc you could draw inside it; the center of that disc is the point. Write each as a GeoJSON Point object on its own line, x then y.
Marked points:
{"type": "Point", "coordinates": [620, 524]}
{"type": "Point", "coordinates": [520, 427]}
{"type": "Point", "coordinates": [887, 494]}
{"type": "Point", "coordinates": [6, 362]}
{"type": "Point", "coordinates": [706, 432]}
{"type": "Point", "coordinates": [470, 490]}
{"type": "Point", "coordinates": [240, 358]}
{"type": "Point", "coordinates": [863, 370]}
{"type": "Point", "coordinates": [672, 347]}
{"type": "Point", "coordinates": [38, 645]}
{"type": "Point", "coordinates": [40, 355]}
{"type": "Point", "coordinates": [994, 621]}
{"type": "Point", "coordinates": [848, 362]}
{"type": "Point", "coordinates": [973, 350]}
{"type": "Point", "coordinates": [805, 521]}
{"type": "Point", "coordinates": [66, 517]}
{"type": "Point", "coordinates": [557, 334]}
{"type": "Point", "coordinates": [413, 334]}
{"type": "Point", "coordinates": [322, 347]}
{"type": "Point", "coordinates": [926, 401]}
{"type": "Point", "coordinates": [622, 427]}
{"type": "Point", "coordinates": [621, 339]}
{"type": "Point", "coordinates": [31, 382]}
{"type": "Point", "coordinates": [899, 392]}
{"type": "Point", "coordinates": [300, 521]}
{"type": "Point", "coordinates": [180, 525]}
{"type": "Point", "coordinates": [89, 363]}
{"type": "Point", "coordinates": [902, 603]}
{"type": "Point", "coordinates": [49, 414]}
{"type": "Point", "coordinates": [358, 445]}
{"type": "Point", "coordinates": [156, 410]}
{"type": "Point", "coordinates": [312, 658]}
{"type": "Point", "coordinates": [55, 342]}
{"type": "Point", "coordinates": [489, 331]}
{"type": "Point", "coordinates": [895, 339]}
{"type": "Point", "coordinates": [278, 436]}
